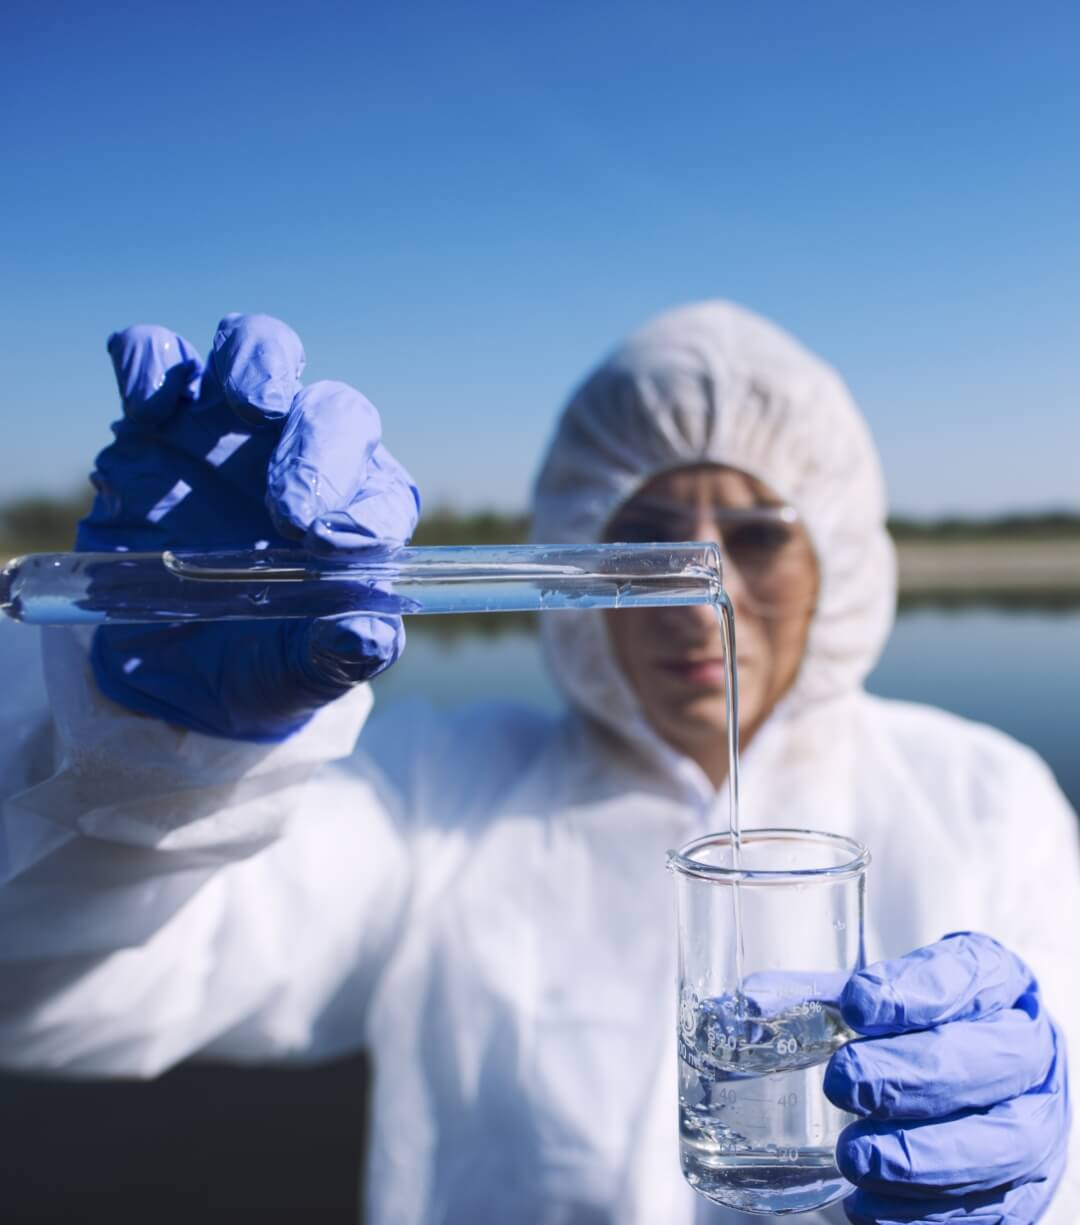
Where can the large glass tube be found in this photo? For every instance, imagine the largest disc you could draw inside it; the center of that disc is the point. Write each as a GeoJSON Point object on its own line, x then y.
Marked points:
{"type": "Point", "coordinates": [98, 588]}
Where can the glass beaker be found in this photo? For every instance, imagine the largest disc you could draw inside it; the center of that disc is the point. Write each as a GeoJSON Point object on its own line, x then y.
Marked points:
{"type": "Point", "coordinates": [765, 948]}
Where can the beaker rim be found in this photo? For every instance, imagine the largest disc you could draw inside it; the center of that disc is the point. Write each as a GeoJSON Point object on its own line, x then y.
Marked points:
{"type": "Point", "coordinates": [683, 860]}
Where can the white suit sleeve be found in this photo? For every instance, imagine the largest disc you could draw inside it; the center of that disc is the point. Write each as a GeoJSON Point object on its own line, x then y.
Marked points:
{"type": "Point", "coordinates": [165, 893]}
{"type": "Point", "coordinates": [1034, 882]}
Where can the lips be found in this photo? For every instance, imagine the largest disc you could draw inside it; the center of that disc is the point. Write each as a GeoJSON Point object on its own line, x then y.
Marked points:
{"type": "Point", "coordinates": [707, 673]}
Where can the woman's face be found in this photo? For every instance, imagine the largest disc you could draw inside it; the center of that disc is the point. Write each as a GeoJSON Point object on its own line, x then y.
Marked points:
{"type": "Point", "coordinates": [672, 657]}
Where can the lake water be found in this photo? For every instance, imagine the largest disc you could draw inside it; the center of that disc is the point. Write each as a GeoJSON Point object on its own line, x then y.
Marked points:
{"type": "Point", "coordinates": [1016, 668]}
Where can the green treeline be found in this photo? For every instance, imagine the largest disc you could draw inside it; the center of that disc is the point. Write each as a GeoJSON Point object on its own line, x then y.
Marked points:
{"type": "Point", "coordinates": [44, 524]}
{"type": "Point", "coordinates": [40, 524]}
{"type": "Point", "coordinates": [47, 525]}
{"type": "Point", "coordinates": [441, 525]}
{"type": "Point", "coordinates": [1048, 525]}
{"type": "Point", "coordinates": [445, 526]}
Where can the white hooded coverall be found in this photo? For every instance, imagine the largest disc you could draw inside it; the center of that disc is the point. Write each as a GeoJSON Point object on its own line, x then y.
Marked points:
{"type": "Point", "coordinates": [479, 897]}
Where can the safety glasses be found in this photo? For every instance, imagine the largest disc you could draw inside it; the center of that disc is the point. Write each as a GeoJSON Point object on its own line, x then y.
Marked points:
{"type": "Point", "coordinates": [767, 546]}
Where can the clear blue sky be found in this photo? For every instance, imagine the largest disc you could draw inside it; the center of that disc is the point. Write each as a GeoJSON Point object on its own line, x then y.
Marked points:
{"type": "Point", "coordinates": [461, 206]}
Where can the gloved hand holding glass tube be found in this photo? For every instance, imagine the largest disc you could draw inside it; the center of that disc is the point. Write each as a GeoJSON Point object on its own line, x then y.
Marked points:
{"type": "Point", "coordinates": [237, 454]}
{"type": "Point", "coordinates": [959, 1085]}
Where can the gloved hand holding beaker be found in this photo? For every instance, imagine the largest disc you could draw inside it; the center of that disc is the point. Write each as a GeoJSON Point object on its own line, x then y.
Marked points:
{"type": "Point", "coordinates": [960, 1085]}
{"type": "Point", "coordinates": [238, 455]}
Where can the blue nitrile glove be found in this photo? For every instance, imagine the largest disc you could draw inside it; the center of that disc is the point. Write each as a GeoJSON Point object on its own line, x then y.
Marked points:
{"type": "Point", "coordinates": [960, 1087]}
{"type": "Point", "coordinates": [237, 455]}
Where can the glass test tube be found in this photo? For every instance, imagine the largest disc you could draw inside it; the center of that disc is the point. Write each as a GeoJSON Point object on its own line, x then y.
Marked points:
{"type": "Point", "coordinates": [98, 588]}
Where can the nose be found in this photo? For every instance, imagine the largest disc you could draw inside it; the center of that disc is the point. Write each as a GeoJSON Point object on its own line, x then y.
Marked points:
{"type": "Point", "coordinates": [735, 586]}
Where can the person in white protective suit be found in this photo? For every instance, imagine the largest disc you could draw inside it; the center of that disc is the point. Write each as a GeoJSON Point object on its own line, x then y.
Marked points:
{"type": "Point", "coordinates": [479, 897]}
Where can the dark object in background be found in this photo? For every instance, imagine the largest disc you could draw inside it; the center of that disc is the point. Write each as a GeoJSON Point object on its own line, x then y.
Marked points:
{"type": "Point", "coordinates": [204, 1143]}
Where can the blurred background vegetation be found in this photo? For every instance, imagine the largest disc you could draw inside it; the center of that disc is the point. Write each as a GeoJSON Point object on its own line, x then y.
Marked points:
{"type": "Point", "coordinates": [45, 524]}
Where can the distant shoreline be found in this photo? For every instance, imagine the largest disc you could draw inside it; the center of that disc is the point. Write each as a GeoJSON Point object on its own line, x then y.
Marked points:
{"type": "Point", "coordinates": [996, 565]}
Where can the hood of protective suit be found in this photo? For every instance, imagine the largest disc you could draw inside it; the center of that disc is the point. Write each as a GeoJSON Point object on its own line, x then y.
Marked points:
{"type": "Point", "coordinates": [715, 383]}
